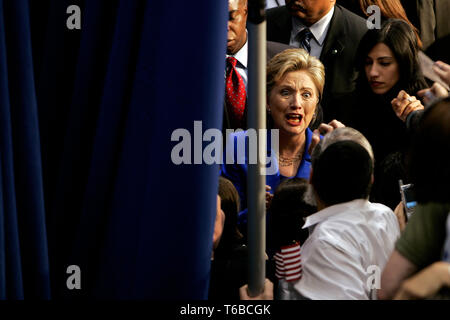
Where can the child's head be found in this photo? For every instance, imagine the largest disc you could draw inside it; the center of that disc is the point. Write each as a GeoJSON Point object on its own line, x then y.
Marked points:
{"type": "Point", "coordinates": [288, 209]}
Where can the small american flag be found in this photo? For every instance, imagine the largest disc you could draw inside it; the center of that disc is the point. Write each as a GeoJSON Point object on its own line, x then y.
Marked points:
{"type": "Point", "coordinates": [288, 263]}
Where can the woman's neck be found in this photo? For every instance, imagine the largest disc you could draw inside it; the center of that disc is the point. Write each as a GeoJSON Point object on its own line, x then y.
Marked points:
{"type": "Point", "coordinates": [291, 145]}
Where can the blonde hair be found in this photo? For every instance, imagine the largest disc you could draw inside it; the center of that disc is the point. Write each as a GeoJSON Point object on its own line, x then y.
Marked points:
{"type": "Point", "coordinates": [295, 60]}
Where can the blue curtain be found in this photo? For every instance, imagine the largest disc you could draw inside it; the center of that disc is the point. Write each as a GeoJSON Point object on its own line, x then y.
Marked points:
{"type": "Point", "coordinates": [86, 123]}
{"type": "Point", "coordinates": [23, 241]}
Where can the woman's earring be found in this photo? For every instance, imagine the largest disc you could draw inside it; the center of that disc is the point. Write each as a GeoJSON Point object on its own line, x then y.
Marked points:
{"type": "Point", "coordinates": [268, 111]}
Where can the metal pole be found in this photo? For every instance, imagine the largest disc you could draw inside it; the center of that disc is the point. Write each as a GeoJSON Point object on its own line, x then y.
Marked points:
{"type": "Point", "coordinates": [257, 120]}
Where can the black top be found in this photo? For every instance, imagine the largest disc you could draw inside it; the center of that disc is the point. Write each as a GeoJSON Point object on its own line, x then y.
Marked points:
{"type": "Point", "coordinates": [389, 137]}
{"type": "Point", "coordinates": [374, 117]}
{"type": "Point", "coordinates": [228, 274]}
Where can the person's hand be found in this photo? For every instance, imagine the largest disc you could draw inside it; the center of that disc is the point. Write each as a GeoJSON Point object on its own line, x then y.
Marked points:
{"type": "Point", "coordinates": [323, 129]}
{"type": "Point", "coordinates": [400, 214]}
{"type": "Point", "coordinates": [426, 283]}
{"type": "Point", "coordinates": [430, 94]}
{"type": "Point", "coordinates": [269, 197]}
{"type": "Point", "coordinates": [404, 104]}
{"type": "Point", "coordinates": [327, 128]}
{"type": "Point", "coordinates": [267, 294]}
{"type": "Point", "coordinates": [443, 71]}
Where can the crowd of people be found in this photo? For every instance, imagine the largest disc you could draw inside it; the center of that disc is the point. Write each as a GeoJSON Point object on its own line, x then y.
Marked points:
{"type": "Point", "coordinates": [355, 115]}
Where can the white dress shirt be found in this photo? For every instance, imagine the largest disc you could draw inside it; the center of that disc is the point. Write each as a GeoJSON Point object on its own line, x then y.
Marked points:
{"type": "Point", "coordinates": [345, 240]}
{"type": "Point", "coordinates": [274, 3]}
{"type": "Point", "coordinates": [241, 66]}
{"type": "Point", "coordinates": [318, 29]}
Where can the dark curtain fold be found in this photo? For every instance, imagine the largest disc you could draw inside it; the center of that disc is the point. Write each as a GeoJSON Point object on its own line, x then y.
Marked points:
{"type": "Point", "coordinates": [56, 58]}
{"type": "Point", "coordinates": [183, 77]}
{"type": "Point", "coordinates": [86, 122]}
{"type": "Point", "coordinates": [107, 143]}
{"type": "Point", "coordinates": [26, 252]}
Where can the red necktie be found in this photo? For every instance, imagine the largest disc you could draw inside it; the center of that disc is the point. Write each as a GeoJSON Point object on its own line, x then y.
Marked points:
{"type": "Point", "coordinates": [235, 94]}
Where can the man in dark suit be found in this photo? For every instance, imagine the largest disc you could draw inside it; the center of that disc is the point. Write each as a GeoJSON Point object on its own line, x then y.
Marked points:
{"type": "Point", "coordinates": [329, 32]}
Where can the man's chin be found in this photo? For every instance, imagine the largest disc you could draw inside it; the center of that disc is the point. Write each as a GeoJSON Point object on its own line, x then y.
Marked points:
{"type": "Point", "coordinates": [231, 50]}
{"type": "Point", "coordinates": [296, 10]}
{"type": "Point", "coordinates": [230, 45]}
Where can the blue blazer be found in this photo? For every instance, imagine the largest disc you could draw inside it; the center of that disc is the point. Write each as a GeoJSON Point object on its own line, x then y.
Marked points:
{"type": "Point", "coordinates": [237, 173]}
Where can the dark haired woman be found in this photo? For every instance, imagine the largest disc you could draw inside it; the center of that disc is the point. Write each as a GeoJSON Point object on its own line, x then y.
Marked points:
{"type": "Point", "coordinates": [229, 203]}
{"type": "Point", "coordinates": [229, 262]}
{"type": "Point", "coordinates": [389, 77]}
{"type": "Point", "coordinates": [230, 254]}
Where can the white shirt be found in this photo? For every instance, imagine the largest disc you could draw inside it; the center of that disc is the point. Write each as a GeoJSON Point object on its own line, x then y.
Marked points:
{"type": "Point", "coordinates": [345, 240]}
{"type": "Point", "coordinates": [274, 3]}
{"type": "Point", "coordinates": [241, 66]}
{"type": "Point", "coordinates": [318, 29]}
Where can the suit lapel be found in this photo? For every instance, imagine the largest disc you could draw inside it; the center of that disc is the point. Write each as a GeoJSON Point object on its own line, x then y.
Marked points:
{"type": "Point", "coordinates": [333, 46]}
